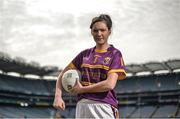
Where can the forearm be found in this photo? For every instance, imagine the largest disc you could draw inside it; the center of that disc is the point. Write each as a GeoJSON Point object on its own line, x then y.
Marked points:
{"type": "Point", "coordinates": [58, 101]}
{"type": "Point", "coordinates": [58, 91]}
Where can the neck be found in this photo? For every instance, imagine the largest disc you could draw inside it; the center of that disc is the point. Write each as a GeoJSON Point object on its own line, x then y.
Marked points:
{"type": "Point", "coordinates": [102, 47]}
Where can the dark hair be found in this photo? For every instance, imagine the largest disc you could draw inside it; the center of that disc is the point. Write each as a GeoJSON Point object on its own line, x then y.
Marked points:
{"type": "Point", "coordinates": [103, 17]}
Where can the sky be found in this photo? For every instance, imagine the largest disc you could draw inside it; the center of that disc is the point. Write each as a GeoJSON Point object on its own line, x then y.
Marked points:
{"type": "Point", "coordinates": [53, 32]}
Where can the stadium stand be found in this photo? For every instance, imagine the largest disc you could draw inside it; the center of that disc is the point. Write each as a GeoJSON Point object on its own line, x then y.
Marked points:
{"type": "Point", "coordinates": [165, 111]}
{"type": "Point", "coordinates": [155, 95]}
{"type": "Point", "coordinates": [143, 112]}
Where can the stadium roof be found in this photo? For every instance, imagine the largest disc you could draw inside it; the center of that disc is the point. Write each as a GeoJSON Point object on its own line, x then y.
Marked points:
{"type": "Point", "coordinates": [19, 65]}
{"type": "Point", "coordinates": [152, 67]}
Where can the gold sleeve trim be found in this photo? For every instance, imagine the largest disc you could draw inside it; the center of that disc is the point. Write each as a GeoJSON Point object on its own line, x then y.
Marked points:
{"type": "Point", "coordinates": [120, 77]}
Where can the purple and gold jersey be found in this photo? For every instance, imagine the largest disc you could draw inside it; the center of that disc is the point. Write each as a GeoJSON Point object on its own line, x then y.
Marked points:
{"type": "Point", "coordinates": [95, 66]}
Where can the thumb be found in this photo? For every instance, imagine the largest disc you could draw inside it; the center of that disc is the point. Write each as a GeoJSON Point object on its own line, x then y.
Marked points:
{"type": "Point", "coordinates": [63, 106]}
{"type": "Point", "coordinates": [77, 81]}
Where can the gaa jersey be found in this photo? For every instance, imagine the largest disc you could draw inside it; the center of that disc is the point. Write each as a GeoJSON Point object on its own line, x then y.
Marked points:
{"type": "Point", "coordinates": [95, 65]}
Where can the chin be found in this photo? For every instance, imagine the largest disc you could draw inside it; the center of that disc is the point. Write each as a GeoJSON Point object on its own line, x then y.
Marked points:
{"type": "Point", "coordinates": [100, 43]}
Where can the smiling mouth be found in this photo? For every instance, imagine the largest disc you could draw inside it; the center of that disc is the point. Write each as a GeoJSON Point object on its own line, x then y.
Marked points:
{"type": "Point", "coordinates": [99, 38]}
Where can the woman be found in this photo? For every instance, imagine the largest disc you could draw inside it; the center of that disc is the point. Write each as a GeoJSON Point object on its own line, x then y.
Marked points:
{"type": "Point", "coordinates": [100, 67]}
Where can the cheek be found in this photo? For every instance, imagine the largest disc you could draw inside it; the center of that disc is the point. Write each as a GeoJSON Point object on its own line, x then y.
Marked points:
{"type": "Point", "coordinates": [106, 35]}
{"type": "Point", "coordinates": [93, 34]}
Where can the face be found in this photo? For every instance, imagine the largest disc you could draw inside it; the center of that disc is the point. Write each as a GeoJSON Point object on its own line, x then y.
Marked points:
{"type": "Point", "coordinates": [100, 33]}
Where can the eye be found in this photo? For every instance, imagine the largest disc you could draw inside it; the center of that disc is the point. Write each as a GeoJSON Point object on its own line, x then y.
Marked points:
{"type": "Point", "coordinates": [95, 30]}
{"type": "Point", "coordinates": [102, 30]}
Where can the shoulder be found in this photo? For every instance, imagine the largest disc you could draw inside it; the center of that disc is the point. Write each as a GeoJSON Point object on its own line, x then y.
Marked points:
{"type": "Point", "coordinates": [87, 51]}
{"type": "Point", "coordinates": [115, 51]}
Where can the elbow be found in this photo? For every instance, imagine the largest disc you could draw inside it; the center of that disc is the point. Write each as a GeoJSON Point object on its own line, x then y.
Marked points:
{"type": "Point", "coordinates": [110, 84]}
{"type": "Point", "coordinates": [122, 77]}
{"type": "Point", "coordinates": [110, 87]}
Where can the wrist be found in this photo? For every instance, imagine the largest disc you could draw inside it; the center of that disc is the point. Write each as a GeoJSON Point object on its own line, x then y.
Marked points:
{"type": "Point", "coordinates": [83, 89]}
{"type": "Point", "coordinates": [58, 95]}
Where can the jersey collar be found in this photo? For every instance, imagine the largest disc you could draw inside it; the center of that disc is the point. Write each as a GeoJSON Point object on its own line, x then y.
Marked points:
{"type": "Point", "coordinates": [103, 51]}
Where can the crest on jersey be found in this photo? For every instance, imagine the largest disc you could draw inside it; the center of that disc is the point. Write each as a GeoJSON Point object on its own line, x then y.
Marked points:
{"type": "Point", "coordinates": [107, 60]}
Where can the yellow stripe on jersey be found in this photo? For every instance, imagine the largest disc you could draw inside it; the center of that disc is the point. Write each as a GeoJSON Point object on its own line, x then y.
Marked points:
{"type": "Point", "coordinates": [117, 70]}
{"type": "Point", "coordinates": [95, 66]}
{"type": "Point", "coordinates": [120, 77]}
{"type": "Point", "coordinates": [71, 66]}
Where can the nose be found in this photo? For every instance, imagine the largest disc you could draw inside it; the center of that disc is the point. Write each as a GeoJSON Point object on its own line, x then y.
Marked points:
{"type": "Point", "coordinates": [99, 33]}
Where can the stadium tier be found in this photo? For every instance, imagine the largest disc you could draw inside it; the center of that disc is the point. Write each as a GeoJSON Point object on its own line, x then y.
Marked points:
{"type": "Point", "coordinates": [155, 95]}
{"type": "Point", "coordinates": [139, 96]}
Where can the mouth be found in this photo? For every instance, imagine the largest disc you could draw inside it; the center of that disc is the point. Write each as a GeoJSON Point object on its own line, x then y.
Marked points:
{"type": "Point", "coordinates": [98, 39]}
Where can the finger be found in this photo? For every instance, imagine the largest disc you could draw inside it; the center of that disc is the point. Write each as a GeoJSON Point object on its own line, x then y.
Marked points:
{"type": "Point", "coordinates": [77, 82]}
{"type": "Point", "coordinates": [57, 106]}
{"type": "Point", "coordinates": [63, 106]}
{"type": "Point", "coordinates": [73, 91]}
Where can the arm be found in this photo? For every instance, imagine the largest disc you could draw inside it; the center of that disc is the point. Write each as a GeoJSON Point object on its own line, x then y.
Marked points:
{"type": "Point", "coordinates": [102, 86]}
{"type": "Point", "coordinates": [58, 101]}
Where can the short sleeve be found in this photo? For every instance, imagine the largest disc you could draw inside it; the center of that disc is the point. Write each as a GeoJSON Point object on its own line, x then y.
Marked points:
{"type": "Point", "coordinates": [117, 65]}
{"type": "Point", "coordinates": [77, 61]}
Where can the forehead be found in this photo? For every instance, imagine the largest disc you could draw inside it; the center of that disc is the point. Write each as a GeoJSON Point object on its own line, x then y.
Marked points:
{"type": "Point", "coordinates": [100, 25]}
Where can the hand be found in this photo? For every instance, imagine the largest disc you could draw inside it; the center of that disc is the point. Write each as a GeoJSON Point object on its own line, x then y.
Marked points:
{"type": "Point", "coordinates": [77, 88]}
{"type": "Point", "coordinates": [59, 103]}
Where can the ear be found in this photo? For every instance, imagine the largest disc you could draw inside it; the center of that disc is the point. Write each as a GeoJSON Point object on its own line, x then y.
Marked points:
{"type": "Point", "coordinates": [109, 31]}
